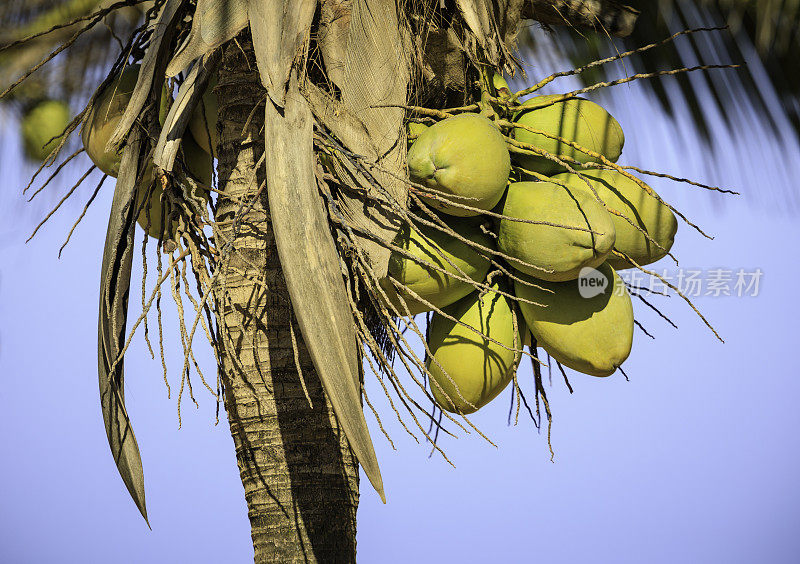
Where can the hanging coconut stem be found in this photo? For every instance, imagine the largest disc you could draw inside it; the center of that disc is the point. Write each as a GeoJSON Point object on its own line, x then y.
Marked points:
{"type": "Point", "coordinates": [572, 72]}
{"type": "Point", "coordinates": [627, 79]}
{"type": "Point", "coordinates": [602, 166]}
{"type": "Point", "coordinates": [82, 214]}
{"type": "Point", "coordinates": [642, 329]}
{"type": "Point", "coordinates": [651, 306]}
{"type": "Point", "coordinates": [673, 288]}
{"type": "Point", "coordinates": [562, 160]}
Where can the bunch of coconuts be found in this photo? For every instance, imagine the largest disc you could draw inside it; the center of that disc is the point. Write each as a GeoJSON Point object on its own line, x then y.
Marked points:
{"type": "Point", "coordinates": [197, 146]}
{"type": "Point", "coordinates": [545, 226]}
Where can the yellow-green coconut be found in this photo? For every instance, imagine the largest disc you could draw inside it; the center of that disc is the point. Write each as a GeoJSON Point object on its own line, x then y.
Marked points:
{"type": "Point", "coordinates": [577, 120]}
{"type": "Point", "coordinates": [203, 123]}
{"type": "Point", "coordinates": [478, 368]}
{"type": "Point", "coordinates": [105, 116]}
{"type": "Point", "coordinates": [554, 253]}
{"type": "Point", "coordinates": [624, 195]}
{"type": "Point", "coordinates": [414, 129]}
{"type": "Point", "coordinates": [445, 252]}
{"type": "Point", "coordinates": [591, 334]}
{"type": "Point", "coordinates": [464, 157]}
{"type": "Point", "coordinates": [199, 166]}
{"type": "Point", "coordinates": [40, 125]}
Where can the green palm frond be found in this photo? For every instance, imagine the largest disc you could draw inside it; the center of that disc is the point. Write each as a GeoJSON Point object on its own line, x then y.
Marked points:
{"type": "Point", "coordinates": [764, 34]}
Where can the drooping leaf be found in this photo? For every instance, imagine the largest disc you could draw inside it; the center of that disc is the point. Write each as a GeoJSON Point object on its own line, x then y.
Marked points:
{"type": "Point", "coordinates": [478, 15]}
{"type": "Point", "coordinates": [164, 27]}
{"type": "Point", "coordinates": [374, 86]}
{"type": "Point", "coordinates": [334, 27]}
{"type": "Point", "coordinates": [311, 266]}
{"type": "Point", "coordinates": [114, 287]}
{"type": "Point", "coordinates": [189, 95]}
{"type": "Point", "coordinates": [280, 37]}
{"type": "Point", "coordinates": [372, 220]}
{"type": "Point", "coordinates": [214, 23]}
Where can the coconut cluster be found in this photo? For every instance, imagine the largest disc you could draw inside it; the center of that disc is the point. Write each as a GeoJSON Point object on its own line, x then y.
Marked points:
{"type": "Point", "coordinates": [539, 198]}
{"type": "Point", "coordinates": [196, 148]}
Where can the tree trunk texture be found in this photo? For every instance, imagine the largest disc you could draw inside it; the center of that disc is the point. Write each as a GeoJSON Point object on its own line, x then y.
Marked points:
{"type": "Point", "coordinates": [299, 476]}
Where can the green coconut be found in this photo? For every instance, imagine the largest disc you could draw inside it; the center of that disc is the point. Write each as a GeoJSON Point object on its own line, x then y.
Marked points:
{"type": "Point", "coordinates": [624, 195]}
{"type": "Point", "coordinates": [464, 157]}
{"type": "Point", "coordinates": [554, 253]}
{"type": "Point", "coordinates": [592, 334]}
{"type": "Point", "coordinates": [203, 123]}
{"type": "Point", "coordinates": [480, 368]}
{"type": "Point", "coordinates": [105, 116]}
{"type": "Point", "coordinates": [577, 120]}
{"type": "Point", "coordinates": [444, 251]}
{"type": "Point", "coordinates": [199, 166]}
{"type": "Point", "coordinates": [39, 127]}
{"type": "Point", "coordinates": [414, 129]}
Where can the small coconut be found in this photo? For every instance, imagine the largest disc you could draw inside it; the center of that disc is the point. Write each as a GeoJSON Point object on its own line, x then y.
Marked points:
{"type": "Point", "coordinates": [465, 158]}
{"type": "Point", "coordinates": [644, 211]}
{"type": "Point", "coordinates": [106, 114]}
{"type": "Point", "coordinates": [585, 324]}
{"type": "Point", "coordinates": [414, 129]}
{"type": "Point", "coordinates": [577, 120]}
{"type": "Point", "coordinates": [199, 166]}
{"type": "Point", "coordinates": [476, 369]}
{"type": "Point", "coordinates": [445, 252]}
{"type": "Point", "coordinates": [39, 127]}
{"type": "Point", "coordinates": [553, 252]}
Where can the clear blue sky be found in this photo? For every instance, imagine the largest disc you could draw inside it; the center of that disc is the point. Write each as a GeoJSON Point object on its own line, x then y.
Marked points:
{"type": "Point", "coordinates": [694, 460]}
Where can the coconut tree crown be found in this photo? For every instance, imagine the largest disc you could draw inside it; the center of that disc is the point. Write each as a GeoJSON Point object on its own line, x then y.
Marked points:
{"type": "Point", "coordinates": [487, 223]}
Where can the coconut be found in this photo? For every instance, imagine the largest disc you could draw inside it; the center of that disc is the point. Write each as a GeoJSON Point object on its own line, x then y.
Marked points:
{"type": "Point", "coordinates": [106, 114]}
{"type": "Point", "coordinates": [444, 251]}
{"type": "Point", "coordinates": [578, 120]}
{"type": "Point", "coordinates": [414, 129]}
{"type": "Point", "coordinates": [199, 166]}
{"type": "Point", "coordinates": [478, 368]}
{"type": "Point", "coordinates": [199, 163]}
{"type": "Point", "coordinates": [203, 123]}
{"type": "Point", "coordinates": [591, 334]}
{"type": "Point", "coordinates": [624, 195]}
{"type": "Point", "coordinates": [39, 127]}
{"type": "Point", "coordinates": [554, 253]}
{"type": "Point", "coordinates": [464, 157]}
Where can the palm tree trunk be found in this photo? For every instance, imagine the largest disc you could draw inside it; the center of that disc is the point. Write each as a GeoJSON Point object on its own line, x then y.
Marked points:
{"type": "Point", "coordinates": [299, 475]}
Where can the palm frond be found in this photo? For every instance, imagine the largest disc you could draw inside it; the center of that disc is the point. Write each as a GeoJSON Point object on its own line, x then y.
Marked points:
{"type": "Point", "coordinates": [32, 31]}
{"type": "Point", "coordinates": [762, 34]}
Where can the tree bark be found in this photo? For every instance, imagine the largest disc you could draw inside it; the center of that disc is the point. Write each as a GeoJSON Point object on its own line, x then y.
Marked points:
{"type": "Point", "coordinates": [299, 475]}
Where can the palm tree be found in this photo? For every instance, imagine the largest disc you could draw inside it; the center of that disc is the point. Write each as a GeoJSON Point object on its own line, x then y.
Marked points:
{"type": "Point", "coordinates": [310, 131]}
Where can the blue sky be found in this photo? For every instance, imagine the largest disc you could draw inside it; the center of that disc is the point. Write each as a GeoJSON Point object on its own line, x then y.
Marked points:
{"type": "Point", "coordinates": [694, 460]}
